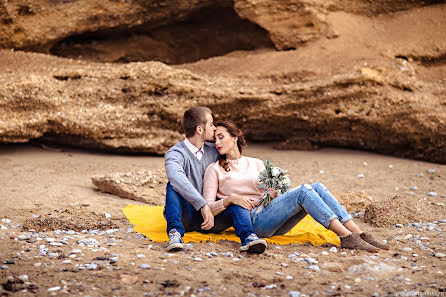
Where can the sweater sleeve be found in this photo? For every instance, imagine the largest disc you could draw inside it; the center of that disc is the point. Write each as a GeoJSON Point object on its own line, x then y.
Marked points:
{"type": "Point", "coordinates": [210, 188]}
{"type": "Point", "coordinates": [179, 181]}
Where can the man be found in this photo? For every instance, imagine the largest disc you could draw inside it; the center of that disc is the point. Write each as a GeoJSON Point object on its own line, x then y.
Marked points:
{"type": "Point", "coordinates": [186, 209]}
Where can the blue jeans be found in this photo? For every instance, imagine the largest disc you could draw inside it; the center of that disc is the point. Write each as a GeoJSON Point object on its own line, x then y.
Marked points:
{"type": "Point", "coordinates": [285, 211]}
{"type": "Point", "coordinates": [183, 217]}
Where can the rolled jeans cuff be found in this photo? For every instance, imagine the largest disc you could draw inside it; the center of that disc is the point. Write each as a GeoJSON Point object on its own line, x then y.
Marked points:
{"type": "Point", "coordinates": [328, 221]}
{"type": "Point", "coordinates": [346, 218]}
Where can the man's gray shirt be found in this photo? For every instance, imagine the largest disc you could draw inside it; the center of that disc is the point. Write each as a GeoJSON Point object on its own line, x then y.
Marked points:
{"type": "Point", "coordinates": [185, 172]}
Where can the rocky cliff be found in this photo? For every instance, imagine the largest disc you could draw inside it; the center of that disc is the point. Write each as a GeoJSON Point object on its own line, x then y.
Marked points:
{"type": "Point", "coordinates": [302, 73]}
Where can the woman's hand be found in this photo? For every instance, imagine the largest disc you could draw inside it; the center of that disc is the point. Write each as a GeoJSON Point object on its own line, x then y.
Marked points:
{"type": "Point", "coordinates": [241, 201]}
{"type": "Point", "coordinates": [272, 192]}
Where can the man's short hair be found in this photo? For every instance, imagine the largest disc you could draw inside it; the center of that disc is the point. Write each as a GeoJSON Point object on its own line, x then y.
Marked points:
{"type": "Point", "coordinates": [194, 117]}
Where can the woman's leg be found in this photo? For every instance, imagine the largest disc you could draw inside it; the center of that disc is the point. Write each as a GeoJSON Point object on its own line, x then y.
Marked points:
{"type": "Point", "coordinates": [344, 217]}
{"type": "Point", "coordinates": [281, 209]}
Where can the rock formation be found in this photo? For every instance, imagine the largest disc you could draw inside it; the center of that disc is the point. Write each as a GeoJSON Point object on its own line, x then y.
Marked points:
{"type": "Point", "coordinates": [364, 76]}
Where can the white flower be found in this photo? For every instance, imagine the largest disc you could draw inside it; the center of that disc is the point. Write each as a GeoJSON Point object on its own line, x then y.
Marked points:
{"type": "Point", "coordinates": [286, 180]}
{"type": "Point", "coordinates": [275, 171]}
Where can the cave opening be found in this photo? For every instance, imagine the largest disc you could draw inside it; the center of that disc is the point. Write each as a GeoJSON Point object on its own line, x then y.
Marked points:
{"type": "Point", "coordinates": [208, 32]}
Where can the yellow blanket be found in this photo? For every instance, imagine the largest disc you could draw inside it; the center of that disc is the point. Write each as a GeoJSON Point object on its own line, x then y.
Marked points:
{"type": "Point", "coordinates": [149, 221]}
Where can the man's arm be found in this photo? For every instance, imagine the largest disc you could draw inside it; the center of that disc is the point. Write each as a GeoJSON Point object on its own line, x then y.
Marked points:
{"type": "Point", "coordinates": [179, 181]}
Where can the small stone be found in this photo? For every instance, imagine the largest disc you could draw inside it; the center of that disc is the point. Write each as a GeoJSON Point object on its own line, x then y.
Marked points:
{"type": "Point", "coordinates": [270, 287]}
{"type": "Point", "coordinates": [289, 277]}
{"type": "Point", "coordinates": [279, 273]}
{"type": "Point", "coordinates": [11, 262]}
{"type": "Point", "coordinates": [235, 259]}
{"type": "Point", "coordinates": [314, 267]}
{"type": "Point", "coordinates": [24, 277]}
{"type": "Point", "coordinates": [404, 258]}
{"type": "Point", "coordinates": [333, 250]}
{"type": "Point", "coordinates": [228, 254]}
{"type": "Point", "coordinates": [3, 227]}
{"type": "Point", "coordinates": [293, 294]}
{"type": "Point", "coordinates": [406, 249]}
{"type": "Point", "coordinates": [53, 255]}
{"type": "Point", "coordinates": [324, 253]}
{"type": "Point", "coordinates": [76, 251]}
{"type": "Point", "coordinates": [4, 267]}
{"type": "Point", "coordinates": [347, 287]}
{"type": "Point", "coordinates": [198, 259]}
{"type": "Point", "coordinates": [42, 253]}
{"type": "Point", "coordinates": [343, 253]}
{"type": "Point", "coordinates": [432, 170]}
{"type": "Point", "coordinates": [414, 188]}
{"type": "Point", "coordinates": [440, 255]}
{"type": "Point", "coordinates": [431, 227]}
{"type": "Point", "coordinates": [56, 244]}
{"type": "Point", "coordinates": [310, 260]}
{"type": "Point", "coordinates": [420, 175]}
{"type": "Point", "coordinates": [117, 181]}
{"type": "Point", "coordinates": [432, 194]}
{"type": "Point", "coordinates": [107, 215]}
{"type": "Point", "coordinates": [144, 266]}
{"type": "Point", "coordinates": [364, 163]}
{"type": "Point", "coordinates": [361, 175]}
{"type": "Point", "coordinates": [284, 264]}
{"type": "Point", "coordinates": [6, 221]}
{"type": "Point", "coordinates": [53, 289]}
{"type": "Point", "coordinates": [399, 225]}
{"type": "Point", "coordinates": [390, 166]}
{"type": "Point", "coordinates": [37, 264]}
{"type": "Point", "coordinates": [66, 261]}
{"type": "Point", "coordinates": [92, 266]}
{"type": "Point", "coordinates": [443, 196]}
{"type": "Point", "coordinates": [357, 280]}
{"type": "Point", "coordinates": [139, 256]}
{"type": "Point", "coordinates": [213, 254]}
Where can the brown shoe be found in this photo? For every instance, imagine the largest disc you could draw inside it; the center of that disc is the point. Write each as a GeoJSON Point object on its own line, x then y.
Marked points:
{"type": "Point", "coordinates": [354, 242]}
{"type": "Point", "coordinates": [369, 238]}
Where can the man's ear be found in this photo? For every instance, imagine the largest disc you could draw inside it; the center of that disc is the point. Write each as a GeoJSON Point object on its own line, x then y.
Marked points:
{"type": "Point", "coordinates": [199, 130]}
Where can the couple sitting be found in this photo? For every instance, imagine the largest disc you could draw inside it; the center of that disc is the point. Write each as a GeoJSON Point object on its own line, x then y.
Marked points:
{"type": "Point", "coordinates": [213, 187]}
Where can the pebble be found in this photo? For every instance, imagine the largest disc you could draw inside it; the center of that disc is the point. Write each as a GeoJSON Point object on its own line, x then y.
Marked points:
{"type": "Point", "coordinates": [390, 166]}
{"type": "Point", "coordinates": [294, 294]}
{"type": "Point", "coordinates": [279, 273]}
{"type": "Point", "coordinates": [432, 194]}
{"type": "Point", "coordinates": [443, 196]}
{"type": "Point", "coordinates": [420, 175]}
{"type": "Point", "coordinates": [324, 253]}
{"type": "Point", "coordinates": [24, 277]}
{"type": "Point", "coordinates": [440, 255]}
{"type": "Point", "coordinates": [406, 249]}
{"type": "Point", "coordinates": [333, 250]}
{"type": "Point", "coordinates": [198, 259]}
{"type": "Point", "coordinates": [91, 266]}
{"type": "Point", "coordinates": [3, 227]}
{"type": "Point", "coordinates": [228, 254]}
{"type": "Point", "coordinates": [431, 227]}
{"type": "Point", "coordinates": [414, 188]}
{"type": "Point", "coordinates": [314, 267]}
{"type": "Point", "coordinates": [441, 221]}
{"type": "Point", "coordinates": [360, 175]}
{"type": "Point", "coordinates": [53, 289]}
{"type": "Point", "coordinates": [107, 215]}
{"type": "Point", "coordinates": [42, 253]}
{"type": "Point", "coordinates": [6, 221]}
{"type": "Point", "coordinates": [399, 225]}
{"type": "Point", "coordinates": [56, 244]}
{"type": "Point", "coordinates": [214, 254]}
{"type": "Point", "coordinates": [310, 260]}
{"type": "Point", "coordinates": [66, 261]}
{"type": "Point", "coordinates": [37, 264]}
{"type": "Point", "coordinates": [144, 266]}
{"type": "Point", "coordinates": [235, 259]}
{"type": "Point", "coordinates": [53, 255]}
{"type": "Point", "coordinates": [139, 256]}
{"type": "Point", "coordinates": [404, 258]}
{"type": "Point", "coordinates": [343, 253]}
{"type": "Point", "coordinates": [76, 251]}
{"type": "Point", "coordinates": [4, 267]}
{"type": "Point", "coordinates": [289, 277]}
{"type": "Point", "coordinates": [270, 287]}
{"type": "Point", "coordinates": [432, 170]}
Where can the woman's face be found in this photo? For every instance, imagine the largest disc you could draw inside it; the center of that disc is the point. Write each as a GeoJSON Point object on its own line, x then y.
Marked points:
{"type": "Point", "coordinates": [224, 141]}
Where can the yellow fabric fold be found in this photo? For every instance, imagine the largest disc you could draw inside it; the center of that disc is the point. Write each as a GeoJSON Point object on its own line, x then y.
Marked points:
{"type": "Point", "coordinates": [149, 221]}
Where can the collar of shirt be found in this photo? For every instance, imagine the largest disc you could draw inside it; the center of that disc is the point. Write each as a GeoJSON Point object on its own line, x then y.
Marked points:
{"type": "Point", "coordinates": [194, 150]}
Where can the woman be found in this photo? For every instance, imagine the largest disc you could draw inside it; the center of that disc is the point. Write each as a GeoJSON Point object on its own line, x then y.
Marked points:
{"type": "Point", "coordinates": [233, 180]}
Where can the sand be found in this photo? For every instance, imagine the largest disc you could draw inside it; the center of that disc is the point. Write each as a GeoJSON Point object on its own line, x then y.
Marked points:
{"type": "Point", "coordinates": [40, 180]}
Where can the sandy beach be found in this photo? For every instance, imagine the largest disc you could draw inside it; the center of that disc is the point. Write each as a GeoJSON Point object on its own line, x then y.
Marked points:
{"type": "Point", "coordinates": [37, 180]}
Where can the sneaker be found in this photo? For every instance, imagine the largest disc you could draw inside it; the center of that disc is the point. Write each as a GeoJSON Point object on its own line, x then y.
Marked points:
{"type": "Point", "coordinates": [369, 238]}
{"type": "Point", "coordinates": [253, 244]}
{"type": "Point", "coordinates": [355, 242]}
{"type": "Point", "coordinates": [175, 241]}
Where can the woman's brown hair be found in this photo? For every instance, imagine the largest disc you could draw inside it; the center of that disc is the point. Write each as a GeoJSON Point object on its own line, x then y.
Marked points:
{"type": "Point", "coordinates": [234, 131]}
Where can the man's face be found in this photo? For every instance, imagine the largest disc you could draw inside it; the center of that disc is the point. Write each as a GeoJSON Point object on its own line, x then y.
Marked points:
{"type": "Point", "coordinates": [209, 128]}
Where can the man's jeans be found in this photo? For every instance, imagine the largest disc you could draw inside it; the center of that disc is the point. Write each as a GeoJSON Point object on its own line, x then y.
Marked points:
{"type": "Point", "coordinates": [285, 211]}
{"type": "Point", "coordinates": [182, 216]}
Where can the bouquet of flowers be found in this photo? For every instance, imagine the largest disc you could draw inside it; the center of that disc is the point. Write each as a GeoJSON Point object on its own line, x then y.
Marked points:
{"type": "Point", "coordinates": [272, 178]}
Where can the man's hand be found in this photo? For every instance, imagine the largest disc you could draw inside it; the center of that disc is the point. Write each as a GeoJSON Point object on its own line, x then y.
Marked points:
{"type": "Point", "coordinates": [208, 218]}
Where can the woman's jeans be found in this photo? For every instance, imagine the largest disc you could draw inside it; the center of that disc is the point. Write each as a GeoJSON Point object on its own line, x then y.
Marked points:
{"type": "Point", "coordinates": [285, 211]}
{"type": "Point", "coordinates": [182, 216]}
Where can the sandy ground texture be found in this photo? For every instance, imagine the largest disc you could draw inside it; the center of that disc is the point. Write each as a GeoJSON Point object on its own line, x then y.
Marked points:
{"type": "Point", "coordinates": [82, 245]}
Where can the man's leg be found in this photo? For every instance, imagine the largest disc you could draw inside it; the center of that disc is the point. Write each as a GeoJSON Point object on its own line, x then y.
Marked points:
{"type": "Point", "coordinates": [173, 210]}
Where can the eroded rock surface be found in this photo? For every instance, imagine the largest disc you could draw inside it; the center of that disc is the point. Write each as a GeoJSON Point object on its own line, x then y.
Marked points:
{"type": "Point", "coordinates": [361, 80]}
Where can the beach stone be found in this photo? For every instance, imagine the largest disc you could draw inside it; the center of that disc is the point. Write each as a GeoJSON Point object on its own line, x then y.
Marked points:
{"type": "Point", "coordinates": [443, 196]}
{"type": "Point", "coordinates": [228, 254]}
{"type": "Point", "coordinates": [333, 250]}
{"type": "Point", "coordinates": [144, 266]}
{"type": "Point", "coordinates": [293, 294]}
{"type": "Point", "coordinates": [42, 253]}
{"type": "Point", "coordinates": [399, 225]}
{"type": "Point", "coordinates": [440, 255]}
{"type": "Point", "coordinates": [270, 287]}
{"type": "Point", "coordinates": [414, 188]}
{"type": "Point", "coordinates": [432, 170]}
{"type": "Point", "coordinates": [289, 277]}
{"type": "Point", "coordinates": [54, 289]}
{"type": "Point", "coordinates": [213, 254]}
{"type": "Point", "coordinates": [361, 175]}
{"type": "Point", "coordinates": [139, 256]}
{"type": "Point", "coordinates": [24, 277]}
{"type": "Point", "coordinates": [432, 194]}
{"type": "Point", "coordinates": [53, 255]}
{"type": "Point", "coordinates": [406, 249]}
{"type": "Point", "coordinates": [310, 260]}
{"type": "Point", "coordinates": [343, 253]}
{"type": "Point", "coordinates": [198, 259]}
{"type": "Point", "coordinates": [92, 266]}
{"type": "Point", "coordinates": [6, 221]}
{"type": "Point", "coordinates": [3, 227]}
{"type": "Point", "coordinates": [314, 267]}
{"type": "Point", "coordinates": [4, 267]}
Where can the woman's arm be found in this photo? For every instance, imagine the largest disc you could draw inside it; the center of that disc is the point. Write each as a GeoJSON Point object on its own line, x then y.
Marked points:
{"type": "Point", "coordinates": [210, 188]}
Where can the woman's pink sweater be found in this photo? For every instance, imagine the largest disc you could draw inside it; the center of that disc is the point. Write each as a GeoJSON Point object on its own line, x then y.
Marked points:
{"type": "Point", "coordinates": [240, 180]}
